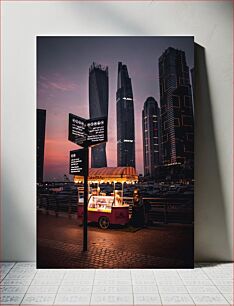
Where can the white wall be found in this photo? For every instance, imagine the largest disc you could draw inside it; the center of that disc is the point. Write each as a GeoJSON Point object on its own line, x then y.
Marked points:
{"type": "Point", "coordinates": [211, 24]}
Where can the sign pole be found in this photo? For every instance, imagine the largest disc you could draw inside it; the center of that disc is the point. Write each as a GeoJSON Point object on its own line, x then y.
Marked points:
{"type": "Point", "coordinates": [85, 220]}
{"type": "Point", "coordinates": [85, 133]}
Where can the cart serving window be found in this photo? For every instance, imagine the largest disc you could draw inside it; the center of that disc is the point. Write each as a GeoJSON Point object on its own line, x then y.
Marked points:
{"type": "Point", "coordinates": [106, 205]}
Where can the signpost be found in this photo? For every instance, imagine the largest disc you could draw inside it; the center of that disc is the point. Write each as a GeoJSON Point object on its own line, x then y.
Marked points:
{"type": "Point", "coordinates": [77, 130]}
{"type": "Point", "coordinates": [85, 133]}
{"type": "Point", "coordinates": [96, 131]}
{"type": "Point", "coordinates": [85, 217]}
{"type": "Point", "coordinates": [77, 162]}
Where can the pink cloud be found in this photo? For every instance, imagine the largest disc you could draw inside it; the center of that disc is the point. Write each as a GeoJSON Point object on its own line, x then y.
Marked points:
{"type": "Point", "coordinates": [56, 82]}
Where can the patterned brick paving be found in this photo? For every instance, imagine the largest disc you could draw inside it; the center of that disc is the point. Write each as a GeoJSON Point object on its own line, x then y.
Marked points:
{"type": "Point", "coordinates": [71, 255]}
{"type": "Point", "coordinates": [59, 245]}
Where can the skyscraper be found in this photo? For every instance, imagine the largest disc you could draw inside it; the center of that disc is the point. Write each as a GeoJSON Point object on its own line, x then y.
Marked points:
{"type": "Point", "coordinates": [125, 119]}
{"type": "Point", "coordinates": [151, 136]}
{"type": "Point", "coordinates": [98, 107]}
{"type": "Point", "coordinates": [176, 108]}
{"type": "Point", "coordinates": [41, 123]}
{"type": "Point", "coordinates": [192, 74]}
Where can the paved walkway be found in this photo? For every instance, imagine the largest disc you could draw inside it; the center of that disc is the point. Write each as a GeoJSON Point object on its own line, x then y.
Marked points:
{"type": "Point", "coordinates": [60, 246]}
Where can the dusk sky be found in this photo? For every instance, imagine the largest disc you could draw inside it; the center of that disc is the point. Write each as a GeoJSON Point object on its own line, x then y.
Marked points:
{"type": "Point", "coordinates": [62, 87]}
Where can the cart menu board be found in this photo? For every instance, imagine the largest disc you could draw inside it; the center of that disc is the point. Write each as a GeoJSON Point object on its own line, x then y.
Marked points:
{"type": "Point", "coordinates": [96, 131]}
{"type": "Point", "coordinates": [77, 162]}
{"type": "Point", "coordinates": [87, 132]}
{"type": "Point", "coordinates": [77, 129]}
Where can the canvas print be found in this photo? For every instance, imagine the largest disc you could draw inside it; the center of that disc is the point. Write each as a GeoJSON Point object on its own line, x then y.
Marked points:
{"type": "Point", "coordinates": [115, 152]}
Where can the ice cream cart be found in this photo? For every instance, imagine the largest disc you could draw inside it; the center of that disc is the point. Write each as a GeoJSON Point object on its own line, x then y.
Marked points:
{"type": "Point", "coordinates": [104, 207]}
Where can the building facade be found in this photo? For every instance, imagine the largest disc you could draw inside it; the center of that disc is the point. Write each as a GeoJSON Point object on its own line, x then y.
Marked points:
{"type": "Point", "coordinates": [177, 120]}
{"type": "Point", "coordinates": [151, 137]}
{"type": "Point", "coordinates": [41, 125]}
{"type": "Point", "coordinates": [98, 107]}
{"type": "Point", "coordinates": [125, 119]}
{"type": "Point", "coordinates": [192, 74]}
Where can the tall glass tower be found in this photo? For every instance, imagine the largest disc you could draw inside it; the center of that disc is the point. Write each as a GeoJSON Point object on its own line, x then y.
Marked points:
{"type": "Point", "coordinates": [41, 126]}
{"type": "Point", "coordinates": [125, 119]}
{"type": "Point", "coordinates": [151, 137]}
{"type": "Point", "coordinates": [176, 109]}
{"type": "Point", "coordinates": [98, 107]}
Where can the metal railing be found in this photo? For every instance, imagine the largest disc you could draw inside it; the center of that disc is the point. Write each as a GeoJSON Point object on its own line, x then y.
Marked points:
{"type": "Point", "coordinates": [157, 210]}
{"type": "Point", "coordinates": [57, 205]}
{"type": "Point", "coordinates": [166, 210]}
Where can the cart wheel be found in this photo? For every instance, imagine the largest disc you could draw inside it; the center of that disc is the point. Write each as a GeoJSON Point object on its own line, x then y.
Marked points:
{"type": "Point", "coordinates": [104, 222]}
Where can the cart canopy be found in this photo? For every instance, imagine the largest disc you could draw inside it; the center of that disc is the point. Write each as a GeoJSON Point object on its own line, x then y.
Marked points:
{"type": "Point", "coordinates": [110, 175]}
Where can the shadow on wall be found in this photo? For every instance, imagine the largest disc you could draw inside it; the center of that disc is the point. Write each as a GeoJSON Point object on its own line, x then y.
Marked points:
{"type": "Point", "coordinates": [211, 232]}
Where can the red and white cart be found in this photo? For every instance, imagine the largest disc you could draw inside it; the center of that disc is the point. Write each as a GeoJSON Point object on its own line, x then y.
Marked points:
{"type": "Point", "coordinates": [106, 209]}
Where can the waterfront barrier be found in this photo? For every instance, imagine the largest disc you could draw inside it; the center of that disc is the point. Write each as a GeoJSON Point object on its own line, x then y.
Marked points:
{"type": "Point", "coordinates": [157, 210]}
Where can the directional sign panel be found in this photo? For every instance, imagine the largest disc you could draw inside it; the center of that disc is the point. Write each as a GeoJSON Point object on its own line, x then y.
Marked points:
{"type": "Point", "coordinates": [87, 132]}
{"type": "Point", "coordinates": [96, 131]}
{"type": "Point", "coordinates": [77, 162]}
{"type": "Point", "coordinates": [77, 130]}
